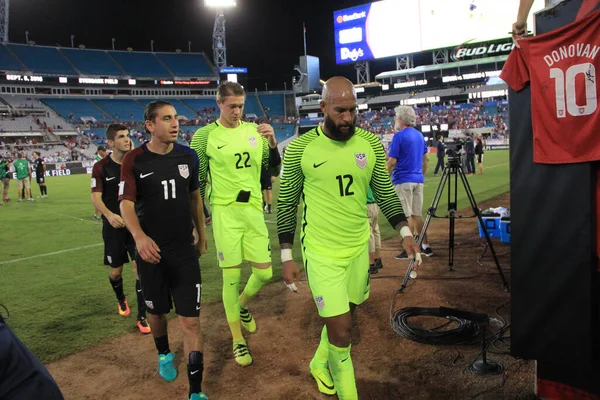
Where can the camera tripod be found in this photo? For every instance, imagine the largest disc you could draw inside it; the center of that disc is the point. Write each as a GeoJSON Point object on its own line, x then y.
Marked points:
{"type": "Point", "coordinates": [453, 170]}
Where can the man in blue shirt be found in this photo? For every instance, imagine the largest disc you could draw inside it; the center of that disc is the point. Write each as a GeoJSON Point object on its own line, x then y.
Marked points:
{"type": "Point", "coordinates": [407, 162]}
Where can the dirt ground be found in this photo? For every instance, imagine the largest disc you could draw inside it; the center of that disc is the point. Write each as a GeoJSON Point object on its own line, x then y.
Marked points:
{"type": "Point", "coordinates": [387, 366]}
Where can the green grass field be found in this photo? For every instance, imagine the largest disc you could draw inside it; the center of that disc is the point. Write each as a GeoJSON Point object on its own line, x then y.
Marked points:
{"type": "Point", "coordinates": [54, 284]}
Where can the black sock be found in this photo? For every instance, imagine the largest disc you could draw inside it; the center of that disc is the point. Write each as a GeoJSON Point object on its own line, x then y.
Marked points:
{"type": "Point", "coordinates": [42, 190]}
{"type": "Point", "coordinates": [140, 300]}
{"type": "Point", "coordinates": [45, 190]}
{"type": "Point", "coordinates": [162, 344]}
{"type": "Point", "coordinates": [195, 368]}
{"type": "Point", "coordinates": [269, 207]}
{"type": "Point", "coordinates": [117, 286]}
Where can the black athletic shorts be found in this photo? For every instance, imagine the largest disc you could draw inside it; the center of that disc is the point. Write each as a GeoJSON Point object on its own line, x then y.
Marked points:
{"type": "Point", "coordinates": [265, 180]}
{"type": "Point", "coordinates": [118, 245]}
{"type": "Point", "coordinates": [175, 278]}
{"type": "Point", "coordinates": [40, 179]}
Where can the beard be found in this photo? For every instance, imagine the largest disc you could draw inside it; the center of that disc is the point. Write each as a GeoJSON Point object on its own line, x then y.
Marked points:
{"type": "Point", "coordinates": [336, 133]}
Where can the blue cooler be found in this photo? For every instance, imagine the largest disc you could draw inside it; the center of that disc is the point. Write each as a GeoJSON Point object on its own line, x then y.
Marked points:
{"type": "Point", "coordinates": [492, 225]}
{"type": "Point", "coordinates": [505, 230]}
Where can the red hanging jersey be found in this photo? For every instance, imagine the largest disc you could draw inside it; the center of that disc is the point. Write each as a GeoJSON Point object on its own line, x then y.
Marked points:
{"type": "Point", "coordinates": [562, 67]}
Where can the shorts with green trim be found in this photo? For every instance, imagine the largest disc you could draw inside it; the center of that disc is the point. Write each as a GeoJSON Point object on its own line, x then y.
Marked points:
{"type": "Point", "coordinates": [240, 234]}
{"type": "Point", "coordinates": [336, 283]}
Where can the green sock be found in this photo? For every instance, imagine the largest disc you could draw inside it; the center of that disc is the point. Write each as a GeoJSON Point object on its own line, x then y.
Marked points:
{"type": "Point", "coordinates": [342, 372]}
{"type": "Point", "coordinates": [256, 281]}
{"type": "Point", "coordinates": [322, 354]}
{"type": "Point", "coordinates": [231, 282]}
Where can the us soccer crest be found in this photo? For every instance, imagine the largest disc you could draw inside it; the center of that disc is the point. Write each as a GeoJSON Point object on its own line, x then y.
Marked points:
{"type": "Point", "coordinates": [320, 302]}
{"type": "Point", "coordinates": [184, 171]}
{"type": "Point", "coordinates": [252, 141]}
{"type": "Point", "coordinates": [361, 160]}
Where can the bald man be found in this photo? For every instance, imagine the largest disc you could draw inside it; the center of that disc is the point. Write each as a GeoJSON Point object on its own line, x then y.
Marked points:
{"type": "Point", "coordinates": [332, 168]}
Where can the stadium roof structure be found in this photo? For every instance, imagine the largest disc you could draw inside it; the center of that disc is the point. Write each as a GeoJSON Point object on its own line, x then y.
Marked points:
{"type": "Point", "coordinates": [439, 67]}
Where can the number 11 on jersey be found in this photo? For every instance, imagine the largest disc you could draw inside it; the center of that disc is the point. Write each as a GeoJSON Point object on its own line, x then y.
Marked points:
{"type": "Point", "coordinates": [166, 188]}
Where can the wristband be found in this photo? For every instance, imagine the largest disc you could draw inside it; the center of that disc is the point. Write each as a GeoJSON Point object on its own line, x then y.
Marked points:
{"type": "Point", "coordinates": [286, 255]}
{"type": "Point", "coordinates": [405, 231]}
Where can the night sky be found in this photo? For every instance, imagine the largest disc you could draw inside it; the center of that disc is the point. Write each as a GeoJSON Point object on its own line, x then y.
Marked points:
{"type": "Point", "coordinates": [263, 35]}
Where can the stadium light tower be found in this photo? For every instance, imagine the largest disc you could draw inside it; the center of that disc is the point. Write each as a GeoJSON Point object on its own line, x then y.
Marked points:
{"type": "Point", "coordinates": [4, 21]}
{"type": "Point", "coordinates": [219, 47]}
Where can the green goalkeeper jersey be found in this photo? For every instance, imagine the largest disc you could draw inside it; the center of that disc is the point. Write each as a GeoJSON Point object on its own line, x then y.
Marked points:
{"type": "Point", "coordinates": [231, 158]}
{"type": "Point", "coordinates": [333, 178]}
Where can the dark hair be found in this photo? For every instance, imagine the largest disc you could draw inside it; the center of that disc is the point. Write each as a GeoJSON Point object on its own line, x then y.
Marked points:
{"type": "Point", "coordinates": [112, 129]}
{"type": "Point", "coordinates": [38, 153]}
{"type": "Point", "coordinates": [229, 89]}
{"type": "Point", "coordinates": [152, 109]}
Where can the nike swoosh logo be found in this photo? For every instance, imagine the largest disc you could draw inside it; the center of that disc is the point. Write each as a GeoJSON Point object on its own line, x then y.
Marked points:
{"type": "Point", "coordinates": [139, 291]}
{"type": "Point", "coordinates": [220, 147]}
{"type": "Point", "coordinates": [193, 372]}
{"type": "Point", "coordinates": [110, 179]}
{"type": "Point", "coordinates": [324, 384]}
{"type": "Point", "coordinates": [341, 361]}
{"type": "Point", "coordinates": [197, 308]}
{"type": "Point", "coordinates": [142, 176]}
{"type": "Point", "coordinates": [318, 165]}
{"type": "Point", "coordinates": [234, 283]}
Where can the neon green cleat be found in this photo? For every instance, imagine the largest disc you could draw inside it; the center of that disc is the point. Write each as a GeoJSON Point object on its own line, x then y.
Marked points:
{"type": "Point", "coordinates": [242, 355]}
{"type": "Point", "coordinates": [323, 378]}
{"type": "Point", "coordinates": [248, 321]}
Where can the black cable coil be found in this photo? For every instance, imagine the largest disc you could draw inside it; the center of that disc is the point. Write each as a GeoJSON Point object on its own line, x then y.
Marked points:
{"type": "Point", "coordinates": [466, 332]}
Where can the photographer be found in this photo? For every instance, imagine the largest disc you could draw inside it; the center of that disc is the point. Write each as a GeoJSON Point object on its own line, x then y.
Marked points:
{"type": "Point", "coordinates": [441, 152]}
{"type": "Point", "coordinates": [470, 152]}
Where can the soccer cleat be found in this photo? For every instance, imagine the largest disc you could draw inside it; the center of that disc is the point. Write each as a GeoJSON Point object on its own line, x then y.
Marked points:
{"type": "Point", "coordinates": [323, 378]}
{"type": "Point", "coordinates": [123, 308]}
{"type": "Point", "coordinates": [96, 217]}
{"type": "Point", "coordinates": [242, 355]}
{"type": "Point", "coordinates": [378, 263]}
{"type": "Point", "coordinates": [373, 269]}
{"type": "Point", "coordinates": [428, 252]}
{"type": "Point", "coordinates": [166, 368]}
{"type": "Point", "coordinates": [401, 256]}
{"type": "Point", "coordinates": [198, 396]}
{"type": "Point", "coordinates": [143, 325]}
{"type": "Point", "coordinates": [247, 319]}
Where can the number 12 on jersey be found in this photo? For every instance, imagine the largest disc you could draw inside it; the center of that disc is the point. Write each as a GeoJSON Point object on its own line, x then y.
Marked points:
{"type": "Point", "coordinates": [345, 191]}
{"type": "Point", "coordinates": [565, 90]}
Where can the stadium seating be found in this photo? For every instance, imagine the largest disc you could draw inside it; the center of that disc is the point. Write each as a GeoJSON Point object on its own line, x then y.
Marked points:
{"type": "Point", "coordinates": [22, 124]}
{"type": "Point", "coordinates": [77, 108]}
{"type": "Point", "coordinates": [92, 62]}
{"type": "Point", "coordinates": [40, 59]}
{"type": "Point", "coordinates": [273, 104]}
{"type": "Point", "coordinates": [121, 109]}
{"type": "Point", "coordinates": [140, 64]}
{"type": "Point", "coordinates": [8, 62]}
{"type": "Point", "coordinates": [201, 104]}
{"type": "Point", "coordinates": [186, 64]}
{"type": "Point", "coordinates": [20, 101]}
{"type": "Point", "coordinates": [252, 106]}
{"type": "Point", "coordinates": [283, 131]}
